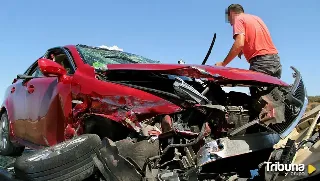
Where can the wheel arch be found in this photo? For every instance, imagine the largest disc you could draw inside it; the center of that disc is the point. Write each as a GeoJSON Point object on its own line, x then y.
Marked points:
{"type": "Point", "coordinates": [7, 107]}
{"type": "Point", "coordinates": [96, 124]}
{"type": "Point", "coordinates": [3, 110]}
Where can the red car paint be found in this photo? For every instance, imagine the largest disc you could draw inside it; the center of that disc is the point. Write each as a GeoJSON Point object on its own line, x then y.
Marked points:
{"type": "Point", "coordinates": [232, 74]}
{"type": "Point", "coordinates": [41, 113]}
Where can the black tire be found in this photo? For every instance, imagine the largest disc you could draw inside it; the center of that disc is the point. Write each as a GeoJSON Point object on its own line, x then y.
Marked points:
{"type": "Point", "coordinates": [7, 148]}
{"type": "Point", "coordinates": [68, 161]}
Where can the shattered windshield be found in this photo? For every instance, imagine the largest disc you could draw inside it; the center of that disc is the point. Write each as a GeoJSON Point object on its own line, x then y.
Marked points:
{"type": "Point", "coordinates": [99, 57]}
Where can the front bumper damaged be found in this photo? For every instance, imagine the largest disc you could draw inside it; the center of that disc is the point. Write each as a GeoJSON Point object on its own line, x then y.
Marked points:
{"type": "Point", "coordinates": [115, 166]}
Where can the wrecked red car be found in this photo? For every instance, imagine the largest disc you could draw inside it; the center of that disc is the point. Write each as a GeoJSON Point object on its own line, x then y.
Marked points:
{"type": "Point", "coordinates": [167, 120]}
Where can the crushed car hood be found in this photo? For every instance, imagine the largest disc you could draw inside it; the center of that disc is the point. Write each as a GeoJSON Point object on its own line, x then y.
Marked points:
{"type": "Point", "coordinates": [219, 74]}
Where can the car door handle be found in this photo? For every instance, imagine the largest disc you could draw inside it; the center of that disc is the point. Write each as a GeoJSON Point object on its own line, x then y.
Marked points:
{"type": "Point", "coordinates": [13, 89]}
{"type": "Point", "coordinates": [30, 89]}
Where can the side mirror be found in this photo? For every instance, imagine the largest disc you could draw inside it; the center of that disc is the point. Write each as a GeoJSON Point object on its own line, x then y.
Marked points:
{"type": "Point", "coordinates": [48, 67]}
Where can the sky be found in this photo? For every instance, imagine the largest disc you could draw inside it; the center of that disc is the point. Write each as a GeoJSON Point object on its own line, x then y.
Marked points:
{"type": "Point", "coordinates": [163, 30]}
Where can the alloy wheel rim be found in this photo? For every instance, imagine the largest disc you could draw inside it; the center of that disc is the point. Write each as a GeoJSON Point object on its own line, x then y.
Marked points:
{"type": "Point", "coordinates": [3, 133]}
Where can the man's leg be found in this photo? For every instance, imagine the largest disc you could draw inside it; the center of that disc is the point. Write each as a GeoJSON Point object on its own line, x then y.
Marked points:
{"type": "Point", "coordinates": [267, 64]}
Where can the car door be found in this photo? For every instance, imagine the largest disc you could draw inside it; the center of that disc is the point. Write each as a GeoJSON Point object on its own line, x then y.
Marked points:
{"type": "Point", "coordinates": [44, 106]}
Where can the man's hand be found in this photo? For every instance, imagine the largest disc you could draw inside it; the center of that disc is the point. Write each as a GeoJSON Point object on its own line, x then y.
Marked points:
{"type": "Point", "coordinates": [221, 64]}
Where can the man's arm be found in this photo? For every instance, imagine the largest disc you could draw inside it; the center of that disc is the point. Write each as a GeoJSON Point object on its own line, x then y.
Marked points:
{"type": "Point", "coordinates": [239, 39]}
{"type": "Point", "coordinates": [235, 49]}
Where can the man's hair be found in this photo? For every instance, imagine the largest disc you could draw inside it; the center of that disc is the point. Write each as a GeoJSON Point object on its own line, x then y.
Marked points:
{"type": "Point", "coordinates": [237, 8]}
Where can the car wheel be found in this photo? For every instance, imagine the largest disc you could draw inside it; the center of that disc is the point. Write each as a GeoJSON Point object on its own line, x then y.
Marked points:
{"type": "Point", "coordinates": [70, 160]}
{"type": "Point", "coordinates": [7, 148]}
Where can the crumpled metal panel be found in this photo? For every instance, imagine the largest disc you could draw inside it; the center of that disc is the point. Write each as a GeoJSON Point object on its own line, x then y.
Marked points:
{"type": "Point", "coordinates": [229, 147]}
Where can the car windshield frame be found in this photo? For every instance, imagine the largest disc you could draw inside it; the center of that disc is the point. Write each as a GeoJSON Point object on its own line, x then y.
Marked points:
{"type": "Point", "coordinates": [100, 57]}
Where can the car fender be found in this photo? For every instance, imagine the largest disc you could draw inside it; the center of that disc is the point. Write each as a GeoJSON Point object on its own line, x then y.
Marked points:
{"type": "Point", "coordinates": [114, 101]}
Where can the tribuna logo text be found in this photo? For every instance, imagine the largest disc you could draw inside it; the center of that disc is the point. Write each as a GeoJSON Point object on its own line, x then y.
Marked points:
{"type": "Point", "coordinates": [278, 167]}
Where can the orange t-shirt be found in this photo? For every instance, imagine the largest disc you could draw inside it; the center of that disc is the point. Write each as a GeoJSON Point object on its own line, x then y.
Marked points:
{"type": "Point", "coordinates": [257, 37]}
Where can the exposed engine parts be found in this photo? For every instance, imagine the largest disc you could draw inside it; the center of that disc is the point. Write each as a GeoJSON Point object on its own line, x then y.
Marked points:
{"type": "Point", "coordinates": [188, 92]}
{"type": "Point", "coordinates": [210, 125]}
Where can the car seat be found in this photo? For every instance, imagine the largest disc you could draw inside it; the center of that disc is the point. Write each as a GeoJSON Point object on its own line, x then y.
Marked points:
{"type": "Point", "coordinates": [62, 59]}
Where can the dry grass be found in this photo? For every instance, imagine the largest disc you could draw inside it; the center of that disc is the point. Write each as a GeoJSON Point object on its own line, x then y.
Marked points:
{"type": "Point", "coordinates": [313, 102]}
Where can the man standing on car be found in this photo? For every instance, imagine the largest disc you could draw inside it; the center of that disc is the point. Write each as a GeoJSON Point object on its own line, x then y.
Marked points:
{"type": "Point", "coordinates": [252, 39]}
